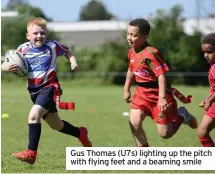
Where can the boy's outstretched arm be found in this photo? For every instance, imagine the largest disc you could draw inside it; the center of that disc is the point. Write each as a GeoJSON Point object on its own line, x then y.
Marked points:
{"type": "Point", "coordinates": [72, 59]}
{"type": "Point", "coordinates": [128, 82]}
{"type": "Point", "coordinates": [162, 83]}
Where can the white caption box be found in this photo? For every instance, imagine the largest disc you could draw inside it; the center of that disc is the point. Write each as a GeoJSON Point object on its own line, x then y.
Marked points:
{"type": "Point", "coordinates": [140, 158]}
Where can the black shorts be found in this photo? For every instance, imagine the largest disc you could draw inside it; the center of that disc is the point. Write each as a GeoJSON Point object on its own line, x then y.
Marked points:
{"type": "Point", "coordinates": [44, 98]}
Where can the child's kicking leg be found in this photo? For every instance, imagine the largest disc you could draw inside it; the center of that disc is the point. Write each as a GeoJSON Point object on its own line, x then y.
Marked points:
{"type": "Point", "coordinates": [167, 128]}
{"type": "Point", "coordinates": [205, 127]}
{"type": "Point", "coordinates": [34, 118]}
{"type": "Point", "coordinates": [183, 116]}
{"type": "Point", "coordinates": [189, 119]}
{"type": "Point", "coordinates": [136, 118]}
{"type": "Point", "coordinates": [55, 122]}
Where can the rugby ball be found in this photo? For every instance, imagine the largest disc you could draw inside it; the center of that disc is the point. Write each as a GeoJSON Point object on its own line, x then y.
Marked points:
{"type": "Point", "coordinates": [14, 57]}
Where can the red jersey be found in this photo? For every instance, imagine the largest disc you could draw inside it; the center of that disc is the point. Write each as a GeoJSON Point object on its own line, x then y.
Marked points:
{"type": "Point", "coordinates": [211, 77]}
{"type": "Point", "coordinates": [147, 65]}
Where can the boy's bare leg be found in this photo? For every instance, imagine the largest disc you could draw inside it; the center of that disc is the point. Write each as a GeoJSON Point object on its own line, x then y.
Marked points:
{"type": "Point", "coordinates": [136, 118]}
{"type": "Point", "coordinates": [165, 130]}
{"type": "Point", "coordinates": [206, 126]}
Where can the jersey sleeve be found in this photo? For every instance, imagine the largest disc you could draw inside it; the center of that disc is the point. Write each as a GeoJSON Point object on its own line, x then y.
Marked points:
{"type": "Point", "coordinates": [23, 48]}
{"type": "Point", "coordinates": [60, 49]}
{"type": "Point", "coordinates": [158, 64]}
{"type": "Point", "coordinates": [20, 49]}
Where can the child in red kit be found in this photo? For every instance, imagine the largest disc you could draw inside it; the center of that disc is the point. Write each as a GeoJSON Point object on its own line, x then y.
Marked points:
{"type": "Point", "coordinates": [153, 96]}
{"type": "Point", "coordinates": [208, 121]}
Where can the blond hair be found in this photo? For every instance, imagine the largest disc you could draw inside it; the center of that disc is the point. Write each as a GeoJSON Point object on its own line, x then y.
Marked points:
{"type": "Point", "coordinates": [37, 21]}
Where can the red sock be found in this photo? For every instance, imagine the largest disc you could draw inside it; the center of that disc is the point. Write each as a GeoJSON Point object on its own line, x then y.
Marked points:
{"type": "Point", "coordinates": [206, 141]}
{"type": "Point", "coordinates": [145, 145]}
{"type": "Point", "coordinates": [176, 124]}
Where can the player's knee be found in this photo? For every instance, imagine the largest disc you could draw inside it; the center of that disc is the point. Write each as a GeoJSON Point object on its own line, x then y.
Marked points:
{"type": "Point", "coordinates": [165, 134]}
{"type": "Point", "coordinates": [36, 114]}
{"type": "Point", "coordinates": [34, 118]}
{"type": "Point", "coordinates": [135, 125]}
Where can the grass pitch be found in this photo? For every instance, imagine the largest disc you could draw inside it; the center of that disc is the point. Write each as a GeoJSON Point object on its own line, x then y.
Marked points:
{"type": "Point", "coordinates": [99, 108]}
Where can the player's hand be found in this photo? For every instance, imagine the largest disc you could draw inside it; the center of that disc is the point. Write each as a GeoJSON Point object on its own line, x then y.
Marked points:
{"type": "Point", "coordinates": [74, 66]}
{"type": "Point", "coordinates": [127, 96]}
{"type": "Point", "coordinates": [207, 104]}
{"type": "Point", "coordinates": [202, 103]}
{"type": "Point", "coordinates": [162, 104]}
{"type": "Point", "coordinates": [13, 68]}
{"type": "Point", "coordinates": [8, 67]}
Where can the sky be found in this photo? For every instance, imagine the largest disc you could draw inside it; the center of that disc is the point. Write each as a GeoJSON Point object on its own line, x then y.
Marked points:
{"type": "Point", "coordinates": [68, 10]}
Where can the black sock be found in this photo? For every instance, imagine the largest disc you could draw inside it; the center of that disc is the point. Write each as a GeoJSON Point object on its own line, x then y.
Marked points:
{"type": "Point", "coordinates": [70, 129]}
{"type": "Point", "coordinates": [34, 136]}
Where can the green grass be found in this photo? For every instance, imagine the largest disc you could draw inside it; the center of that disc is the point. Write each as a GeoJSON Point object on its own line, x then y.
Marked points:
{"type": "Point", "coordinates": [99, 108]}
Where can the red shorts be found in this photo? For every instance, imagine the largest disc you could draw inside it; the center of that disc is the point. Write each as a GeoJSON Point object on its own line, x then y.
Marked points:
{"type": "Point", "coordinates": [146, 100]}
{"type": "Point", "coordinates": [211, 111]}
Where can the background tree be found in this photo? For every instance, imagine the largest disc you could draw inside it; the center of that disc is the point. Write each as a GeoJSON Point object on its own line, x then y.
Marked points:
{"type": "Point", "coordinates": [12, 4]}
{"type": "Point", "coordinates": [182, 52]}
{"type": "Point", "coordinates": [13, 33]}
{"type": "Point", "coordinates": [27, 9]}
{"type": "Point", "coordinates": [94, 10]}
{"type": "Point", "coordinates": [107, 61]}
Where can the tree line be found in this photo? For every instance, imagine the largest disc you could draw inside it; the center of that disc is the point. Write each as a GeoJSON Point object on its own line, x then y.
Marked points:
{"type": "Point", "coordinates": [182, 52]}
